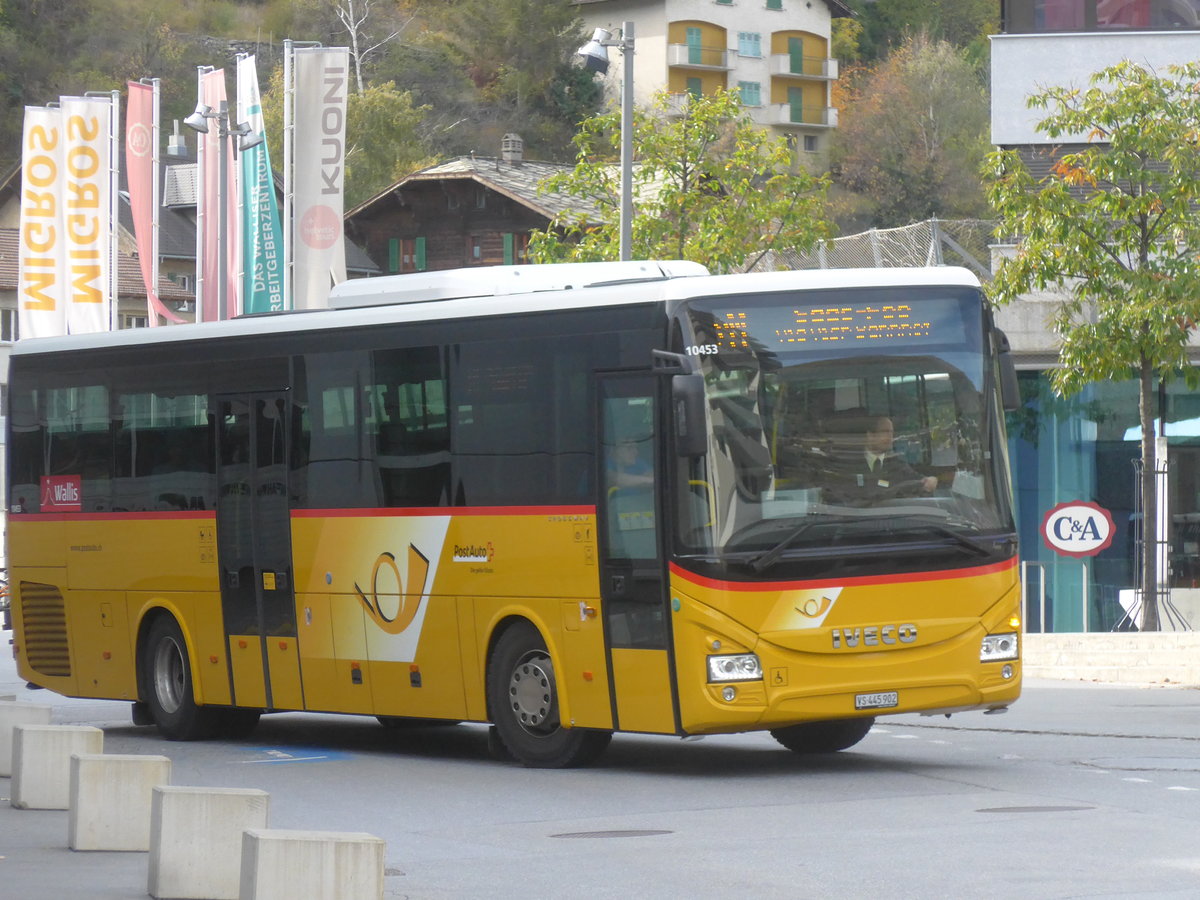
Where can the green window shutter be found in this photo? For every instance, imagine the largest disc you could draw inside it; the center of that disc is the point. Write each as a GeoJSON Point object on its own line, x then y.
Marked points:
{"type": "Point", "coordinates": [774, 4]}
{"type": "Point", "coordinates": [695, 87]}
{"type": "Point", "coordinates": [394, 255]}
{"type": "Point", "coordinates": [420, 254]}
{"type": "Point", "coordinates": [796, 104]}
{"type": "Point", "coordinates": [695, 51]}
{"type": "Point", "coordinates": [796, 56]}
{"type": "Point", "coordinates": [508, 249]}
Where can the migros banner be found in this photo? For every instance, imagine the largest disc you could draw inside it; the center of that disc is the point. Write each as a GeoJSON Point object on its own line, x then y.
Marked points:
{"type": "Point", "coordinates": [42, 244]}
{"type": "Point", "coordinates": [66, 218]}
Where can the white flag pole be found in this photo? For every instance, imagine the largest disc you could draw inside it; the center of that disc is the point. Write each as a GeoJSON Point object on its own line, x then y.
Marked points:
{"type": "Point", "coordinates": [287, 174]}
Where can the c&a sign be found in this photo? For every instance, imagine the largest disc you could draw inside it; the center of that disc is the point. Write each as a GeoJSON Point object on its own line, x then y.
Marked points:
{"type": "Point", "coordinates": [1078, 529]}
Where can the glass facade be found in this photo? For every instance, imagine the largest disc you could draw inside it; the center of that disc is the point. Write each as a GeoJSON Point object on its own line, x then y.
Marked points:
{"type": "Point", "coordinates": [1087, 448]}
{"type": "Point", "coordinates": [1047, 16]}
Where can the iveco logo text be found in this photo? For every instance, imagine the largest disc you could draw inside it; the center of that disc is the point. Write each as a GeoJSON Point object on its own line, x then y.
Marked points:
{"type": "Point", "coordinates": [873, 636]}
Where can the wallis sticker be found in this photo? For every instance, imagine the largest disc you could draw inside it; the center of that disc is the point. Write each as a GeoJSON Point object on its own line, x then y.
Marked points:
{"type": "Point", "coordinates": [61, 493]}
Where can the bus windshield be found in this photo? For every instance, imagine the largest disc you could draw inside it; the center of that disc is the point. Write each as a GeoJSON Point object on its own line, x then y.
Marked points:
{"type": "Point", "coordinates": [853, 425]}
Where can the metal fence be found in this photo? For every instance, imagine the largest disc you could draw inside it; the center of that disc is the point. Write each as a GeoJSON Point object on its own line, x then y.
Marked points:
{"type": "Point", "coordinates": [935, 242]}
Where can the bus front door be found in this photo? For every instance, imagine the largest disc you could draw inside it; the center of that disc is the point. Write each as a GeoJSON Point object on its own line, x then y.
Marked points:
{"type": "Point", "coordinates": [632, 571]}
{"type": "Point", "coordinates": [254, 551]}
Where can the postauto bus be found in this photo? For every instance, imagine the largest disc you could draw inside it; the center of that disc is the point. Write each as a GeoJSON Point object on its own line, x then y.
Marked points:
{"type": "Point", "coordinates": [563, 500]}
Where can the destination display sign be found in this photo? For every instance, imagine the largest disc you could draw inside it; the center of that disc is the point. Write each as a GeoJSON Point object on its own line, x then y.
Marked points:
{"type": "Point", "coordinates": [860, 325]}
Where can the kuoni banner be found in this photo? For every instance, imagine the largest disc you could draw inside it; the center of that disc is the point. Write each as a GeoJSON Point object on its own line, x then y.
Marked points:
{"type": "Point", "coordinates": [262, 240]}
{"type": "Point", "coordinates": [319, 97]}
{"type": "Point", "coordinates": [87, 211]}
{"type": "Point", "coordinates": [41, 310]}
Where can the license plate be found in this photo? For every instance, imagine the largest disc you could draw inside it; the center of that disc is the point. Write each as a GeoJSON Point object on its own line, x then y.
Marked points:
{"type": "Point", "coordinates": [881, 700]}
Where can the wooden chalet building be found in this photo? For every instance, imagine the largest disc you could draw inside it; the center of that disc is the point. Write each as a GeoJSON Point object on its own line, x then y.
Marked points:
{"type": "Point", "coordinates": [470, 211]}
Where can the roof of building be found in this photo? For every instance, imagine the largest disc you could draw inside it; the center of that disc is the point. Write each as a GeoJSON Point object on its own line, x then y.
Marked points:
{"type": "Point", "coordinates": [129, 273]}
{"type": "Point", "coordinates": [517, 180]}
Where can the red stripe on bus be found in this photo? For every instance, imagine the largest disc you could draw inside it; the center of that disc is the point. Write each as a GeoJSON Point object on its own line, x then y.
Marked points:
{"type": "Point", "coordinates": [154, 515]}
{"type": "Point", "coordinates": [910, 578]}
{"type": "Point", "coordinates": [450, 511]}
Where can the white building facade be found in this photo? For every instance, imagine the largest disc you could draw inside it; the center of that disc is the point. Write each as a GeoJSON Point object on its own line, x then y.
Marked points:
{"type": "Point", "coordinates": [776, 53]}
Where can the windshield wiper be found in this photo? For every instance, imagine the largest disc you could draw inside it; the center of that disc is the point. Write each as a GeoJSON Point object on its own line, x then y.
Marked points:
{"type": "Point", "coordinates": [768, 557]}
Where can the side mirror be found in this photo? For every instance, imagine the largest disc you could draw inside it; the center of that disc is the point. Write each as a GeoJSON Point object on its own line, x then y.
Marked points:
{"type": "Point", "coordinates": [1010, 388]}
{"type": "Point", "coordinates": [687, 408]}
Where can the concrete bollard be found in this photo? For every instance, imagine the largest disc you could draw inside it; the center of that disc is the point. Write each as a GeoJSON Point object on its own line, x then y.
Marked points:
{"type": "Point", "coordinates": [13, 713]}
{"type": "Point", "coordinates": [196, 840]}
{"type": "Point", "coordinates": [41, 776]}
{"type": "Point", "coordinates": [278, 864]}
{"type": "Point", "coordinates": [110, 800]}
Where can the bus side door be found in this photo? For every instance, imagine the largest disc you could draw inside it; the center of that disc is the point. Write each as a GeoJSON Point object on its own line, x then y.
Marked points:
{"type": "Point", "coordinates": [632, 570]}
{"type": "Point", "coordinates": [254, 550]}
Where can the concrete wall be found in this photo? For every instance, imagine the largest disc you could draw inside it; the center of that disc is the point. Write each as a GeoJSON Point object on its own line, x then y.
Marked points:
{"type": "Point", "coordinates": [1117, 657]}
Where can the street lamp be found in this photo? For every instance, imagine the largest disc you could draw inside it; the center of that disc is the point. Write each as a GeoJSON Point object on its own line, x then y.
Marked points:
{"type": "Point", "coordinates": [595, 59]}
{"type": "Point", "coordinates": [198, 122]}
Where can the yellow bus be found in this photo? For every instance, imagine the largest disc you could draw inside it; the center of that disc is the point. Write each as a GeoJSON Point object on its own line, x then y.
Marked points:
{"type": "Point", "coordinates": [562, 500]}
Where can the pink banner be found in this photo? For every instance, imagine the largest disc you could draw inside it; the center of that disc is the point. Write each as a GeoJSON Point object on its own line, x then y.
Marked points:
{"type": "Point", "coordinates": [212, 94]}
{"type": "Point", "coordinates": [141, 164]}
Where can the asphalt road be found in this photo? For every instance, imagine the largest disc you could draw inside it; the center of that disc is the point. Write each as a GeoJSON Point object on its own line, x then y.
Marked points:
{"type": "Point", "coordinates": [1081, 790]}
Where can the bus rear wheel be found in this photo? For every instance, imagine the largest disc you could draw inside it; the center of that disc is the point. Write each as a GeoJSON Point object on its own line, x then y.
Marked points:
{"type": "Point", "coordinates": [823, 737]}
{"type": "Point", "coordinates": [523, 699]}
{"type": "Point", "coordinates": [167, 684]}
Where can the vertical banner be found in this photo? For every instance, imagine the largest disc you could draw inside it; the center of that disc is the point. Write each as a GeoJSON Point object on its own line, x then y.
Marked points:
{"type": "Point", "coordinates": [319, 98]}
{"type": "Point", "coordinates": [141, 175]}
{"type": "Point", "coordinates": [41, 310]}
{"type": "Point", "coordinates": [88, 212]}
{"type": "Point", "coordinates": [262, 240]}
{"type": "Point", "coordinates": [218, 198]}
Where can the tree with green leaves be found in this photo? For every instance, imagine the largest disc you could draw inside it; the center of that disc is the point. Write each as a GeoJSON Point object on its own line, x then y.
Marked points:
{"type": "Point", "coordinates": [709, 185]}
{"type": "Point", "coordinates": [1113, 227]}
{"type": "Point", "coordinates": [912, 135]}
{"type": "Point", "coordinates": [885, 24]}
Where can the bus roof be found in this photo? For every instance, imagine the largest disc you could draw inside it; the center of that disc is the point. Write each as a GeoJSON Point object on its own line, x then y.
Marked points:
{"type": "Point", "coordinates": [498, 281]}
{"type": "Point", "coordinates": [393, 299]}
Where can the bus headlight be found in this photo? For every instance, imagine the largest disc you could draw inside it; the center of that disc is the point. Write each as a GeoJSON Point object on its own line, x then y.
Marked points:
{"type": "Point", "coordinates": [737, 667]}
{"type": "Point", "coordinates": [996, 647]}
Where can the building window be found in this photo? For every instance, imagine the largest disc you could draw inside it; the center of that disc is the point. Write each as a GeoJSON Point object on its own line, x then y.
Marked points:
{"type": "Point", "coordinates": [724, 2]}
{"type": "Point", "coordinates": [184, 281]}
{"type": "Point", "coordinates": [481, 199]}
{"type": "Point", "coordinates": [749, 43]}
{"type": "Point", "coordinates": [695, 87]}
{"type": "Point", "coordinates": [774, 4]}
{"type": "Point", "coordinates": [751, 93]}
{"type": "Point", "coordinates": [128, 321]}
{"type": "Point", "coordinates": [810, 143]}
{"type": "Point", "coordinates": [516, 248]}
{"type": "Point", "coordinates": [474, 250]}
{"type": "Point", "coordinates": [406, 255]}
{"type": "Point", "coordinates": [9, 325]}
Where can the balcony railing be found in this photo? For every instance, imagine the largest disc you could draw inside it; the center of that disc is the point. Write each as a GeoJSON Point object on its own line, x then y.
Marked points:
{"type": "Point", "coordinates": [786, 114]}
{"type": "Point", "coordinates": [820, 67]}
{"type": "Point", "coordinates": [687, 56]}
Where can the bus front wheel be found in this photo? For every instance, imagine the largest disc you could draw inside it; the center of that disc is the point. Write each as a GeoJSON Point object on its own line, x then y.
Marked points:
{"type": "Point", "coordinates": [823, 737]}
{"type": "Point", "coordinates": [167, 684]}
{"type": "Point", "coordinates": [523, 699]}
